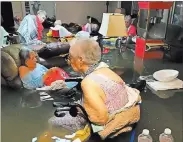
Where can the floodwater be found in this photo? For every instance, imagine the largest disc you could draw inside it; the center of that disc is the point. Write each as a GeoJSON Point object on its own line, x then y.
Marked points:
{"type": "Point", "coordinates": [24, 116]}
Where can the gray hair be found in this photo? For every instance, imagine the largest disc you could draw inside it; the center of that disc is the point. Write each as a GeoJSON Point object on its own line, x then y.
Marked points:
{"type": "Point", "coordinates": [24, 55]}
{"type": "Point", "coordinates": [128, 18]}
{"type": "Point", "coordinates": [41, 12]}
{"type": "Point", "coordinates": [89, 49]}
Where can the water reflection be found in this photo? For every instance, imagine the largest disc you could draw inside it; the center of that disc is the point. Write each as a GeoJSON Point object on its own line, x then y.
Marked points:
{"type": "Point", "coordinates": [20, 123]}
{"type": "Point", "coordinates": [31, 99]}
{"type": "Point", "coordinates": [165, 94]}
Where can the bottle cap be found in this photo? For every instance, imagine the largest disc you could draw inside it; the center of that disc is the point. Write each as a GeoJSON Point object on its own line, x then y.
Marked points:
{"type": "Point", "coordinates": [145, 132]}
{"type": "Point", "coordinates": [167, 131]}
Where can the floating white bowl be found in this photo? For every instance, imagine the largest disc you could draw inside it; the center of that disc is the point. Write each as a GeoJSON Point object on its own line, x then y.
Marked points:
{"type": "Point", "coordinates": [165, 75]}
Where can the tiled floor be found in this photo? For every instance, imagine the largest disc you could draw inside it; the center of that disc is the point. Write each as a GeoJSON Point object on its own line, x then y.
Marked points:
{"type": "Point", "coordinates": [159, 110]}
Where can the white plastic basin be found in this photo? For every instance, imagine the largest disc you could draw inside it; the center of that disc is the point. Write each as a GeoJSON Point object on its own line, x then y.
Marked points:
{"type": "Point", "coordinates": [166, 75]}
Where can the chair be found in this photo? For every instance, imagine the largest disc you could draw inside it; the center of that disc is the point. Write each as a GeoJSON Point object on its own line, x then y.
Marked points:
{"type": "Point", "coordinates": [10, 61]}
{"type": "Point", "coordinates": [72, 106]}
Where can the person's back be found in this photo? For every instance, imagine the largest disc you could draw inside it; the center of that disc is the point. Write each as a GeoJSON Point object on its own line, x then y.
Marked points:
{"type": "Point", "coordinates": [113, 87]}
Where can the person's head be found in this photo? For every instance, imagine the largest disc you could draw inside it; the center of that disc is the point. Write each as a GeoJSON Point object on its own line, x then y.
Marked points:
{"type": "Point", "coordinates": [84, 53]}
{"type": "Point", "coordinates": [128, 20]}
{"type": "Point", "coordinates": [89, 19]}
{"type": "Point", "coordinates": [41, 15]}
{"type": "Point", "coordinates": [58, 22]}
{"type": "Point", "coordinates": [28, 58]}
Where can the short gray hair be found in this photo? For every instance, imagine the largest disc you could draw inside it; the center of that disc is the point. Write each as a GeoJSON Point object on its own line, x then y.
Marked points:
{"type": "Point", "coordinates": [89, 49]}
{"type": "Point", "coordinates": [128, 18]}
{"type": "Point", "coordinates": [24, 55]}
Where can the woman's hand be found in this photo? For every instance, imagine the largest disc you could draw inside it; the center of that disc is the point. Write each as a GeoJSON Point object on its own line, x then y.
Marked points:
{"type": "Point", "coordinates": [94, 103]}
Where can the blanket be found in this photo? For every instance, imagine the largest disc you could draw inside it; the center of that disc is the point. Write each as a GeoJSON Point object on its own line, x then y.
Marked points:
{"type": "Point", "coordinates": [28, 30]}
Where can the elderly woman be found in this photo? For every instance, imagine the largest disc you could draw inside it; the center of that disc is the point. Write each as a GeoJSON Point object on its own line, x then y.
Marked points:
{"type": "Point", "coordinates": [111, 105]}
{"type": "Point", "coordinates": [34, 75]}
{"type": "Point", "coordinates": [131, 30]}
{"type": "Point", "coordinates": [30, 29]}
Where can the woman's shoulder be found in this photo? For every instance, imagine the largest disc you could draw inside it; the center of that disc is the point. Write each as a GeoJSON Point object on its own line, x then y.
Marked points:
{"type": "Point", "coordinates": [23, 70]}
{"type": "Point", "coordinates": [132, 26]}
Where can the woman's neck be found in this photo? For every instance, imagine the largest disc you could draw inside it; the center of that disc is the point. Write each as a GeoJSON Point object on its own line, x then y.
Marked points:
{"type": "Point", "coordinates": [89, 69]}
{"type": "Point", "coordinates": [85, 68]}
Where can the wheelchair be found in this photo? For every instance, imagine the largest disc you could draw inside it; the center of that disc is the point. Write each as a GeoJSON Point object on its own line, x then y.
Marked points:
{"type": "Point", "coordinates": [71, 106]}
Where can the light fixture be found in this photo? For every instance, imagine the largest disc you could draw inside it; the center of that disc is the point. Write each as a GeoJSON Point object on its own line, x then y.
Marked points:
{"type": "Point", "coordinates": [113, 26]}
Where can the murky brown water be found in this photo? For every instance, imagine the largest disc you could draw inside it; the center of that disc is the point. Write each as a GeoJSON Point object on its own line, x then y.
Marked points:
{"type": "Point", "coordinates": [24, 116]}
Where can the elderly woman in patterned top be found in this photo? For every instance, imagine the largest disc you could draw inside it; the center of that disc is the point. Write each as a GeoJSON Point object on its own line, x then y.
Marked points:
{"type": "Point", "coordinates": [111, 105]}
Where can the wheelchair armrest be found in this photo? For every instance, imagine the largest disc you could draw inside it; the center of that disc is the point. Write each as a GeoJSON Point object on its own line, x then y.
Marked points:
{"type": "Point", "coordinates": [60, 104]}
{"type": "Point", "coordinates": [75, 79]}
{"type": "Point", "coordinates": [64, 104]}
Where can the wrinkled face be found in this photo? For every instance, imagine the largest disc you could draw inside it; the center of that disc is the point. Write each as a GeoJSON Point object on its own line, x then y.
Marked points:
{"type": "Point", "coordinates": [75, 61]}
{"type": "Point", "coordinates": [127, 23]}
{"type": "Point", "coordinates": [31, 61]}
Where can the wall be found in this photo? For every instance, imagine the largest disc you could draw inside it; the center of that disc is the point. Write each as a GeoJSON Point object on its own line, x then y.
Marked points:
{"type": "Point", "coordinates": [48, 6]}
{"type": "Point", "coordinates": [77, 12]}
{"type": "Point", "coordinates": [70, 11]}
{"type": "Point", "coordinates": [17, 8]}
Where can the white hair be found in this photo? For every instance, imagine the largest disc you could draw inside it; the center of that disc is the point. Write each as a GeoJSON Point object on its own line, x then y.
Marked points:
{"type": "Point", "coordinates": [128, 18]}
{"type": "Point", "coordinates": [58, 22]}
{"type": "Point", "coordinates": [41, 12]}
{"type": "Point", "coordinates": [88, 49]}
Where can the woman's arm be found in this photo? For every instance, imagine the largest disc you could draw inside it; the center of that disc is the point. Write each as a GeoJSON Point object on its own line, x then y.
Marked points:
{"type": "Point", "coordinates": [93, 102]}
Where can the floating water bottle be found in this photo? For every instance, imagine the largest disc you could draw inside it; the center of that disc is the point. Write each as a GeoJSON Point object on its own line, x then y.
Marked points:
{"type": "Point", "coordinates": [45, 137]}
{"type": "Point", "coordinates": [145, 136]}
{"type": "Point", "coordinates": [166, 136]}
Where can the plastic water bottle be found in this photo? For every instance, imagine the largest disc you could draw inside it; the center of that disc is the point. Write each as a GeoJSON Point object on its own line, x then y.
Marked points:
{"type": "Point", "coordinates": [166, 136]}
{"type": "Point", "coordinates": [45, 137]}
{"type": "Point", "coordinates": [145, 136]}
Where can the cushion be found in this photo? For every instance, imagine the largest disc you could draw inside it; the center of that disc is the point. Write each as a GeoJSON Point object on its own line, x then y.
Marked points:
{"type": "Point", "coordinates": [57, 61]}
{"type": "Point", "coordinates": [16, 83]}
{"type": "Point", "coordinates": [13, 50]}
{"type": "Point", "coordinates": [54, 49]}
{"type": "Point", "coordinates": [3, 81]}
{"type": "Point", "coordinates": [9, 68]}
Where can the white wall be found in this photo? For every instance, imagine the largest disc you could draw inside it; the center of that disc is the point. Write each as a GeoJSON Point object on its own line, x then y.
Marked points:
{"type": "Point", "coordinates": [17, 8]}
{"type": "Point", "coordinates": [70, 11]}
{"type": "Point", "coordinates": [48, 6]}
{"type": "Point", "coordinates": [77, 12]}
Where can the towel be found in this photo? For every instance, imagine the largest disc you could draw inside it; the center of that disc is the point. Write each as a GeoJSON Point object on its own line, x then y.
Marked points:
{"type": "Point", "coordinates": [122, 120]}
{"type": "Point", "coordinates": [133, 97]}
{"type": "Point", "coordinates": [121, 123]}
{"type": "Point", "coordinates": [159, 86]}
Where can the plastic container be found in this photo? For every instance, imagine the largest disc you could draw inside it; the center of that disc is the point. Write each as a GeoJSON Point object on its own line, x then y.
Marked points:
{"type": "Point", "coordinates": [55, 33]}
{"type": "Point", "coordinates": [45, 137]}
{"type": "Point", "coordinates": [145, 136]}
{"type": "Point", "coordinates": [166, 75]}
{"type": "Point", "coordinates": [166, 136]}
